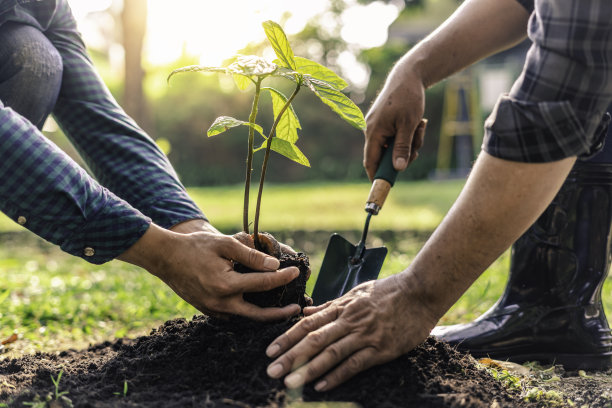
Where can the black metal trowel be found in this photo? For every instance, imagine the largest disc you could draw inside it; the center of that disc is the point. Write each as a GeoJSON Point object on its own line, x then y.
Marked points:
{"type": "Point", "coordinates": [346, 265]}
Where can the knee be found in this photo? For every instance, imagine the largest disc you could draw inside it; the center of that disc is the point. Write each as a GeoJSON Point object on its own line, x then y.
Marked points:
{"type": "Point", "coordinates": [30, 71]}
{"type": "Point", "coordinates": [35, 59]}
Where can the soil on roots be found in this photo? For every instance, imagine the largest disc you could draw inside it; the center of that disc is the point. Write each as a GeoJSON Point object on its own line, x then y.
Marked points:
{"type": "Point", "coordinates": [208, 362]}
{"type": "Point", "coordinates": [288, 294]}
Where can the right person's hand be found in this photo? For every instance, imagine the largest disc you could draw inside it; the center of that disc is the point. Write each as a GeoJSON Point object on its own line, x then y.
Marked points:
{"type": "Point", "coordinates": [198, 266]}
{"type": "Point", "coordinates": [396, 113]}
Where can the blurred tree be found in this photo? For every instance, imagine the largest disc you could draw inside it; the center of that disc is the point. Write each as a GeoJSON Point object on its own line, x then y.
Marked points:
{"type": "Point", "coordinates": [134, 26]}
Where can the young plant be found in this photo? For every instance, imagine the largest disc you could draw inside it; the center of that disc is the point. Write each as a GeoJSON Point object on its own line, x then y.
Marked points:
{"type": "Point", "coordinates": [56, 382]}
{"type": "Point", "coordinates": [283, 134]}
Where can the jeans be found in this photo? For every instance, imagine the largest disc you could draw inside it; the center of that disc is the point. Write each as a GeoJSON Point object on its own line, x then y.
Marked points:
{"type": "Point", "coordinates": [30, 72]}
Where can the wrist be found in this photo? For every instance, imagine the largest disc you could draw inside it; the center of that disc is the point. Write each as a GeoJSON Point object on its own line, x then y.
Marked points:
{"type": "Point", "coordinates": [151, 250]}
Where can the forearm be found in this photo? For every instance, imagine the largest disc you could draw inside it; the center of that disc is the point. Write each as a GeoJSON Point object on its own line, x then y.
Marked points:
{"type": "Point", "coordinates": [477, 29]}
{"type": "Point", "coordinates": [499, 202]}
{"type": "Point", "coordinates": [120, 154]}
{"type": "Point", "coordinates": [48, 193]}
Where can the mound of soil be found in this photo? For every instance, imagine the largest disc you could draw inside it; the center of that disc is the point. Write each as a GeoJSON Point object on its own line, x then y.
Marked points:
{"type": "Point", "coordinates": [212, 363]}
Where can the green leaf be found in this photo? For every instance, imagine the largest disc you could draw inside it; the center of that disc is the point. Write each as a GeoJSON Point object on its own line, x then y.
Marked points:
{"type": "Point", "coordinates": [197, 68]}
{"type": "Point", "coordinates": [279, 42]}
{"type": "Point", "coordinates": [289, 123]}
{"type": "Point", "coordinates": [242, 82]}
{"type": "Point", "coordinates": [223, 123]}
{"type": "Point", "coordinates": [287, 149]}
{"type": "Point", "coordinates": [337, 101]}
{"type": "Point", "coordinates": [318, 71]}
{"type": "Point", "coordinates": [249, 65]}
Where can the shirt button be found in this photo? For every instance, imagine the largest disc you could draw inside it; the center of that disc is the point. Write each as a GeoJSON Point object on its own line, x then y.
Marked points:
{"type": "Point", "coordinates": [89, 251]}
{"type": "Point", "coordinates": [21, 220]}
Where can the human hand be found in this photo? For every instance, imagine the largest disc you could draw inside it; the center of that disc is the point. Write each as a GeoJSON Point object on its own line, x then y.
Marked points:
{"type": "Point", "coordinates": [199, 268]}
{"type": "Point", "coordinates": [195, 225]}
{"type": "Point", "coordinates": [373, 323]}
{"type": "Point", "coordinates": [396, 113]}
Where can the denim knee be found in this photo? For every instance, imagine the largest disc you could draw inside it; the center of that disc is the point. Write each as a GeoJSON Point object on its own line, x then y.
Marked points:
{"type": "Point", "coordinates": [30, 72]}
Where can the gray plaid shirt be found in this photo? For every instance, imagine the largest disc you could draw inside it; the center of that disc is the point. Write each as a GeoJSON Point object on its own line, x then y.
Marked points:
{"type": "Point", "coordinates": [44, 190]}
{"type": "Point", "coordinates": [556, 106]}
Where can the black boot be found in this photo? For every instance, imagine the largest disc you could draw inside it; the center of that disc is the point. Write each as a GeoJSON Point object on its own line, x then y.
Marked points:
{"type": "Point", "coordinates": [551, 309]}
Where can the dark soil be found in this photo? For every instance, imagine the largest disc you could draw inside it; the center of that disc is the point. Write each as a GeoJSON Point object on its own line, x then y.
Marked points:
{"type": "Point", "coordinates": [289, 294]}
{"type": "Point", "coordinates": [210, 362]}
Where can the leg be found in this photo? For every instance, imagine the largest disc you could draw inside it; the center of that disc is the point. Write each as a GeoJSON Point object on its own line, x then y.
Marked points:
{"type": "Point", "coordinates": [551, 309]}
{"type": "Point", "coordinates": [30, 72]}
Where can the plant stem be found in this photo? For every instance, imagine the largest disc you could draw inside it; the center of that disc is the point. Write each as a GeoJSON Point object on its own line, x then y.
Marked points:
{"type": "Point", "coordinates": [249, 163]}
{"type": "Point", "coordinates": [264, 166]}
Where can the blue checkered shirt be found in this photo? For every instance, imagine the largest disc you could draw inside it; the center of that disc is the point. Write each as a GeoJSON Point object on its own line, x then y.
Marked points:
{"type": "Point", "coordinates": [556, 108]}
{"type": "Point", "coordinates": [48, 193]}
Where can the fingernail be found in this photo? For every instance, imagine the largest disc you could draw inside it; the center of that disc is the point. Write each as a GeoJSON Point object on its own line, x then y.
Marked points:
{"type": "Point", "coordinates": [293, 380]}
{"type": "Point", "coordinates": [271, 263]}
{"type": "Point", "coordinates": [275, 370]}
{"type": "Point", "coordinates": [400, 163]}
{"type": "Point", "coordinates": [320, 385]}
{"type": "Point", "coordinates": [272, 350]}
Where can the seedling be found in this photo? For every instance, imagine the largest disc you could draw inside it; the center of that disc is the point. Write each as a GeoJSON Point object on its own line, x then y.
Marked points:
{"type": "Point", "coordinates": [125, 390]}
{"type": "Point", "coordinates": [283, 135]}
{"type": "Point", "coordinates": [56, 382]}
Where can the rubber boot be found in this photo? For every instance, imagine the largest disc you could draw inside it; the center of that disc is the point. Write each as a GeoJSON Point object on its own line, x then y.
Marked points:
{"type": "Point", "coordinates": [551, 310]}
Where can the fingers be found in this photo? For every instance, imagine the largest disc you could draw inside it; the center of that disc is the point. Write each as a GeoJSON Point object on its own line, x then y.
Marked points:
{"type": "Point", "coordinates": [417, 140]}
{"type": "Point", "coordinates": [372, 152]}
{"type": "Point", "coordinates": [254, 312]}
{"type": "Point", "coordinates": [360, 361]}
{"type": "Point", "coordinates": [248, 257]}
{"type": "Point", "coordinates": [262, 281]}
{"type": "Point", "coordinates": [298, 332]}
{"type": "Point", "coordinates": [333, 353]}
{"type": "Point", "coordinates": [403, 146]}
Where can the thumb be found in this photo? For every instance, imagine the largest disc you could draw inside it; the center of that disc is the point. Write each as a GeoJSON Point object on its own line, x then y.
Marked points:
{"type": "Point", "coordinates": [402, 147]}
{"type": "Point", "coordinates": [250, 257]}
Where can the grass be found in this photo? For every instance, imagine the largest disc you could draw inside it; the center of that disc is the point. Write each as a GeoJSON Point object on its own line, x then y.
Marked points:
{"type": "Point", "coordinates": [410, 206]}
{"type": "Point", "coordinates": [56, 301]}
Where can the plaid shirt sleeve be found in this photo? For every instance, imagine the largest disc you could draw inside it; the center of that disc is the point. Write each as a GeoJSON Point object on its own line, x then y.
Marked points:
{"type": "Point", "coordinates": [557, 106]}
{"type": "Point", "coordinates": [59, 201]}
{"type": "Point", "coordinates": [120, 154]}
{"type": "Point", "coordinates": [48, 193]}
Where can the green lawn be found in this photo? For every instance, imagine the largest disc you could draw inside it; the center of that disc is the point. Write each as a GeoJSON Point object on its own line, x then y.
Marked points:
{"type": "Point", "coordinates": [55, 301]}
{"type": "Point", "coordinates": [410, 206]}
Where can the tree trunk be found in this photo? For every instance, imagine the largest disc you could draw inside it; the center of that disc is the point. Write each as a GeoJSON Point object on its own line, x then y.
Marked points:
{"type": "Point", "coordinates": [134, 23]}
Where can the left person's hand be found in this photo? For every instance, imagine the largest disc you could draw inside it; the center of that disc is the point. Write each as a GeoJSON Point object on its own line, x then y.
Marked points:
{"type": "Point", "coordinates": [374, 323]}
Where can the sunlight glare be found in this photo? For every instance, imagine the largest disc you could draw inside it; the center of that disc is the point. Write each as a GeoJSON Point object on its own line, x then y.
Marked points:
{"type": "Point", "coordinates": [215, 30]}
{"type": "Point", "coordinates": [356, 18]}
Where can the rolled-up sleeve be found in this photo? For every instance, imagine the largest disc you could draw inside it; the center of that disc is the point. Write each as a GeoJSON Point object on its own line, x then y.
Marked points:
{"type": "Point", "coordinates": [556, 107]}
{"type": "Point", "coordinates": [44, 190]}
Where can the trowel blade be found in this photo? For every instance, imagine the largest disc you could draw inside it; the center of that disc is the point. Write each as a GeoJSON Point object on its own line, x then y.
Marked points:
{"type": "Point", "coordinates": [339, 273]}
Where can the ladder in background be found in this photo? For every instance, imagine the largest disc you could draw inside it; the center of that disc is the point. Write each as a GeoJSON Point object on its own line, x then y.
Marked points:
{"type": "Point", "coordinates": [460, 133]}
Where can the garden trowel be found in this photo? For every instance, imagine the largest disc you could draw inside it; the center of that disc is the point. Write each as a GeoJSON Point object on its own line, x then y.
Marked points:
{"type": "Point", "coordinates": [346, 265]}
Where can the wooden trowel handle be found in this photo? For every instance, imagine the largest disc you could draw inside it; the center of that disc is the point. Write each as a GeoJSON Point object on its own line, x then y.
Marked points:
{"type": "Point", "coordinates": [383, 181]}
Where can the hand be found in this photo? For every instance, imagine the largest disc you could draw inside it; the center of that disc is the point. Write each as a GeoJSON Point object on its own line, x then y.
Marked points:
{"type": "Point", "coordinates": [396, 113]}
{"type": "Point", "coordinates": [195, 225]}
{"type": "Point", "coordinates": [199, 268]}
{"type": "Point", "coordinates": [374, 323]}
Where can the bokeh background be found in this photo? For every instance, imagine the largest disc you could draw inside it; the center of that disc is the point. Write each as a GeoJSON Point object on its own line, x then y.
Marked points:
{"type": "Point", "coordinates": [137, 43]}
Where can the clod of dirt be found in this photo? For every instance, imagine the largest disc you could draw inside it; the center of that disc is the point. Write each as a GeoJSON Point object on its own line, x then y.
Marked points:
{"type": "Point", "coordinates": [214, 363]}
{"type": "Point", "coordinates": [294, 291]}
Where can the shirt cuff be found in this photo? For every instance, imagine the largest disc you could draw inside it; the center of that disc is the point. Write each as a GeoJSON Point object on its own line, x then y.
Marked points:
{"type": "Point", "coordinates": [99, 238]}
{"type": "Point", "coordinates": [167, 210]}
